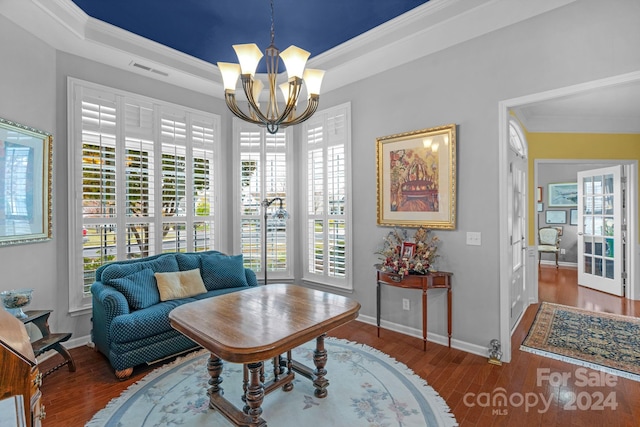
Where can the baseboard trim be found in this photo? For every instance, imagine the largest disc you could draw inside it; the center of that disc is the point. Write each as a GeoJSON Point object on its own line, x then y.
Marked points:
{"type": "Point", "coordinates": [403, 329]}
{"type": "Point", "coordinates": [431, 336]}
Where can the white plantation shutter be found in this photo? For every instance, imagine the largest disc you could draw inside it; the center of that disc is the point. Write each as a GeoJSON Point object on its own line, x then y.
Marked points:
{"type": "Point", "coordinates": [327, 216]}
{"type": "Point", "coordinates": [143, 172]}
{"type": "Point", "coordinates": [262, 173]}
{"type": "Point", "coordinates": [203, 137]}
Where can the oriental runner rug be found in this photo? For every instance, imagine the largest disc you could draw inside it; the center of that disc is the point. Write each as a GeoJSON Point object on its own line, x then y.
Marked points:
{"type": "Point", "coordinates": [367, 388]}
{"type": "Point", "coordinates": [601, 341]}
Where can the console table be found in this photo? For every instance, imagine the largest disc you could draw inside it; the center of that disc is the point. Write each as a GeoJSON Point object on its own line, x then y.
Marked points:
{"type": "Point", "coordinates": [432, 280]}
{"type": "Point", "coordinates": [49, 341]}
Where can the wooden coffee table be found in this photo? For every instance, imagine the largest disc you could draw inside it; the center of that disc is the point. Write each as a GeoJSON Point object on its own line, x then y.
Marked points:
{"type": "Point", "coordinates": [258, 324]}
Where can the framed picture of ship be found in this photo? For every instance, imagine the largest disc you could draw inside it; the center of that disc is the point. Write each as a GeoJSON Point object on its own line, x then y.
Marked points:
{"type": "Point", "coordinates": [417, 178]}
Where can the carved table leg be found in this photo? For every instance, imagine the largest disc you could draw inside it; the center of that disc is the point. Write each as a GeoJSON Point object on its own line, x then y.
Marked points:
{"type": "Point", "coordinates": [320, 360]}
{"type": "Point", "coordinates": [214, 366]}
{"type": "Point", "coordinates": [245, 386]}
{"type": "Point", "coordinates": [288, 386]}
{"type": "Point", "coordinates": [255, 393]}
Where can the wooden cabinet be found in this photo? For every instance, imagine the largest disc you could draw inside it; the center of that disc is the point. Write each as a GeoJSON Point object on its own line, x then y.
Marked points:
{"type": "Point", "coordinates": [19, 373]}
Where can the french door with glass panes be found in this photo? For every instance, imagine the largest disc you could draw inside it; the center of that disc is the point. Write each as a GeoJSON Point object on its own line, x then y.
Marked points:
{"type": "Point", "coordinates": [600, 229]}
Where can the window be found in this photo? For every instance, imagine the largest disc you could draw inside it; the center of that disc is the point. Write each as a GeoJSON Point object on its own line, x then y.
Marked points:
{"type": "Point", "coordinates": [327, 220]}
{"type": "Point", "coordinates": [143, 174]}
{"type": "Point", "coordinates": [262, 174]}
{"type": "Point", "coordinates": [517, 141]}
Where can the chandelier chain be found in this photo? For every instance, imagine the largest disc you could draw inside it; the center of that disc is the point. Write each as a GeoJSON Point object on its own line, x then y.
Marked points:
{"type": "Point", "coordinates": [273, 27]}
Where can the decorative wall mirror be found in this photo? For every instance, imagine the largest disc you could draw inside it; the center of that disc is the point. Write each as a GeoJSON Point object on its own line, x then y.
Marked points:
{"type": "Point", "coordinates": [26, 159]}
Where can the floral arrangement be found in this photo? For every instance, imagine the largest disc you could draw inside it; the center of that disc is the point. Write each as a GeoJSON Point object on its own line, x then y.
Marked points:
{"type": "Point", "coordinates": [403, 257]}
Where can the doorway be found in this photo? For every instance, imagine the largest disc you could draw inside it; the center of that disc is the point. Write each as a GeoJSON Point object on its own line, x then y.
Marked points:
{"type": "Point", "coordinates": [538, 100]}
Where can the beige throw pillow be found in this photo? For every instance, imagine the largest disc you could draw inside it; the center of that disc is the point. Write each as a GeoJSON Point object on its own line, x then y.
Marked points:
{"type": "Point", "coordinates": [179, 284]}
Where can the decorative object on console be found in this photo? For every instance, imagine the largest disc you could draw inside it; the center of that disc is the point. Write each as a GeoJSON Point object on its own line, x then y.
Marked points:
{"type": "Point", "coordinates": [16, 299]}
{"type": "Point", "coordinates": [280, 215]}
{"type": "Point", "coordinates": [294, 60]}
{"type": "Point", "coordinates": [417, 178]}
{"type": "Point", "coordinates": [400, 256]}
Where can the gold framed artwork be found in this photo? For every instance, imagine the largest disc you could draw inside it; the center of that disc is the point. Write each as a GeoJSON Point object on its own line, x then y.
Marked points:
{"type": "Point", "coordinates": [25, 184]}
{"type": "Point", "coordinates": [417, 178]}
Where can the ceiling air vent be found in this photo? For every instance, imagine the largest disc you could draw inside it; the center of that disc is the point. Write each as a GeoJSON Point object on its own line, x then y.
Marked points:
{"type": "Point", "coordinates": [147, 68]}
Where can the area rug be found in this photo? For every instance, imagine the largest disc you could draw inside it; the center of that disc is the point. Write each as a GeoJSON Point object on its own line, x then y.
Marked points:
{"type": "Point", "coordinates": [601, 341]}
{"type": "Point", "coordinates": [367, 388]}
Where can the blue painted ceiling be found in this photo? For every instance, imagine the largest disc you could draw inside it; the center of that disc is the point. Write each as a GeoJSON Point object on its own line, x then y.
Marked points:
{"type": "Point", "coordinates": [207, 29]}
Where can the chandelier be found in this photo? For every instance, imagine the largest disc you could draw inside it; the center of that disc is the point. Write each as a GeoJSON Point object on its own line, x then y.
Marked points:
{"type": "Point", "coordinates": [276, 115]}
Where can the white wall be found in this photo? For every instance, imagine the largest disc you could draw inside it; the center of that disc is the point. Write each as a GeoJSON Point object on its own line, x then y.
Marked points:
{"type": "Point", "coordinates": [583, 41]}
{"type": "Point", "coordinates": [28, 97]}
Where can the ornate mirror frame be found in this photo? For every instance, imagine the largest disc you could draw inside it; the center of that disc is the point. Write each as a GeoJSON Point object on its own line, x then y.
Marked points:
{"type": "Point", "coordinates": [26, 175]}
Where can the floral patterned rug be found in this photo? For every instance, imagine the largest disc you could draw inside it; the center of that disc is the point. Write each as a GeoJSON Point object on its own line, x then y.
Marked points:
{"type": "Point", "coordinates": [367, 388]}
{"type": "Point", "coordinates": [602, 341]}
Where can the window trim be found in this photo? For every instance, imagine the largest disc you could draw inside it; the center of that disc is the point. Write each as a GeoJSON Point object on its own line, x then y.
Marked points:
{"type": "Point", "coordinates": [345, 283]}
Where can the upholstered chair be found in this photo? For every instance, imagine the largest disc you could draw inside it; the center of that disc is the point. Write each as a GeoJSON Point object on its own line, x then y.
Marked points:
{"type": "Point", "coordinates": [548, 242]}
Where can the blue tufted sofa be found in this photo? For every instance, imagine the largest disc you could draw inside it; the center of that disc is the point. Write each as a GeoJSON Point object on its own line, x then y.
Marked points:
{"type": "Point", "coordinates": [131, 323]}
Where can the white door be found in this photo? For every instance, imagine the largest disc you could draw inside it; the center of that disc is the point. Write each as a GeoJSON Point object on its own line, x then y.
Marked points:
{"type": "Point", "coordinates": [600, 229]}
{"type": "Point", "coordinates": [517, 220]}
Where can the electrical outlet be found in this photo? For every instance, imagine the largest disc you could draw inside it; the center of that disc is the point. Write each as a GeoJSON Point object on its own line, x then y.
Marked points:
{"type": "Point", "coordinates": [474, 238]}
{"type": "Point", "coordinates": [563, 251]}
{"type": "Point", "coordinates": [406, 305]}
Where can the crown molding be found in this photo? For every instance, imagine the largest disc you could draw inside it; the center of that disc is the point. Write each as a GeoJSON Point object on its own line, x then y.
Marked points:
{"type": "Point", "coordinates": [434, 26]}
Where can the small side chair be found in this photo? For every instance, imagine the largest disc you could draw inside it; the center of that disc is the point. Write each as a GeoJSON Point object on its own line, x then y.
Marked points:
{"type": "Point", "coordinates": [548, 242]}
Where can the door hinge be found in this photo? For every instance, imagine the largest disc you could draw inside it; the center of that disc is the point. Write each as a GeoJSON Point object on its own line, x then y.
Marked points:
{"type": "Point", "coordinates": [624, 275]}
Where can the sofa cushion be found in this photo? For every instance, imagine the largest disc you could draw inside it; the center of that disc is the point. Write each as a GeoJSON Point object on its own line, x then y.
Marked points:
{"type": "Point", "coordinates": [180, 284]}
{"type": "Point", "coordinates": [161, 264]}
{"type": "Point", "coordinates": [188, 261]}
{"type": "Point", "coordinates": [138, 288]}
{"type": "Point", "coordinates": [223, 271]}
{"type": "Point", "coordinates": [144, 323]}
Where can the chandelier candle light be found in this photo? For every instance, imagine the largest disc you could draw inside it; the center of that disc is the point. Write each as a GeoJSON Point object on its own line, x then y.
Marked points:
{"type": "Point", "coordinates": [294, 60]}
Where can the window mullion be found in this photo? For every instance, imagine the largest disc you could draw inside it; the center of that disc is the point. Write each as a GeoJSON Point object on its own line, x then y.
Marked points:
{"type": "Point", "coordinates": [120, 216]}
{"type": "Point", "coordinates": [325, 196]}
{"type": "Point", "coordinates": [157, 179]}
{"type": "Point", "coordinates": [188, 160]}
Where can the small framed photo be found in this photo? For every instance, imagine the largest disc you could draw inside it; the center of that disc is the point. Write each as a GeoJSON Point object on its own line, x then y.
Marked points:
{"type": "Point", "coordinates": [573, 216]}
{"type": "Point", "coordinates": [540, 207]}
{"type": "Point", "coordinates": [556, 217]}
{"type": "Point", "coordinates": [408, 250]}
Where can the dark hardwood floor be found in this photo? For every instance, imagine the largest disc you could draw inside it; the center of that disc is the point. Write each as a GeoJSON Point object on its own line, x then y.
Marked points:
{"type": "Point", "coordinates": [462, 379]}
